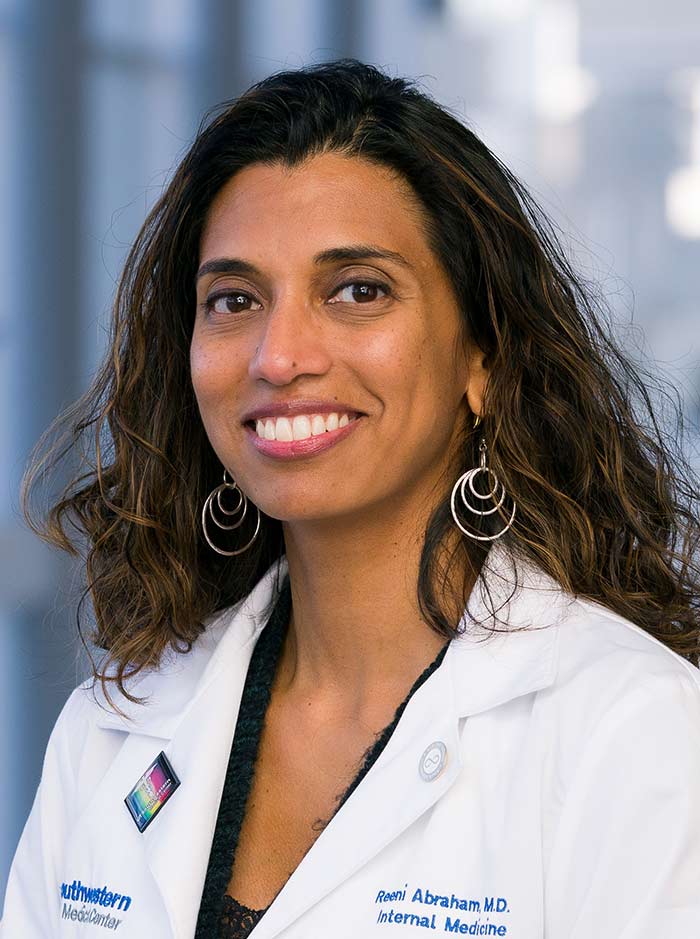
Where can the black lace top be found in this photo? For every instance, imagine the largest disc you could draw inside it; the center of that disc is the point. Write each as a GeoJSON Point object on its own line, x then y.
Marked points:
{"type": "Point", "coordinates": [220, 915]}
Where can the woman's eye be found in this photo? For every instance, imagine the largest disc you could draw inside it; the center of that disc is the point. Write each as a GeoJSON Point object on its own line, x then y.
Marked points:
{"type": "Point", "coordinates": [233, 301]}
{"type": "Point", "coordinates": [360, 291]}
{"type": "Point", "coordinates": [238, 301]}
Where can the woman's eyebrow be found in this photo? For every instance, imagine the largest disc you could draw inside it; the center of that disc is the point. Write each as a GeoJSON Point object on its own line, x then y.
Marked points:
{"type": "Point", "coordinates": [360, 252]}
{"type": "Point", "coordinates": [330, 255]}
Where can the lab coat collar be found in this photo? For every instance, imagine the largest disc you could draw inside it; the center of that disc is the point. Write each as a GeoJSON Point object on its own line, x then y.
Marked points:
{"type": "Point", "coordinates": [173, 688]}
{"type": "Point", "coordinates": [509, 633]}
{"type": "Point", "coordinates": [490, 666]}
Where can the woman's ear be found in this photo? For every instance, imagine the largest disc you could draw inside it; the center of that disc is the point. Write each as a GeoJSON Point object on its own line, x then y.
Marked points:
{"type": "Point", "coordinates": [478, 375]}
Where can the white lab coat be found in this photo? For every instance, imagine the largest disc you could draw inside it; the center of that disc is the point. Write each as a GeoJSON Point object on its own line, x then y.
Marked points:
{"type": "Point", "coordinates": [567, 805]}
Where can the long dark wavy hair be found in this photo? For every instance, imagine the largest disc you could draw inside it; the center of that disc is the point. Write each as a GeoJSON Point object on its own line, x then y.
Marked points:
{"type": "Point", "coordinates": [607, 504]}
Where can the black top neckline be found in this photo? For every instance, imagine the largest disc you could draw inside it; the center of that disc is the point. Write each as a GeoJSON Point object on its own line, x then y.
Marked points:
{"type": "Point", "coordinates": [219, 911]}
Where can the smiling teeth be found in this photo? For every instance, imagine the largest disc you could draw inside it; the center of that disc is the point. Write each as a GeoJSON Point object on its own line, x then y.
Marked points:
{"type": "Point", "coordinates": [300, 427]}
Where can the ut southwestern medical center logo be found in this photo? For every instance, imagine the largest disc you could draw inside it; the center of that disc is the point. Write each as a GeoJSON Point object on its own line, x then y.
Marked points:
{"type": "Point", "coordinates": [82, 904]}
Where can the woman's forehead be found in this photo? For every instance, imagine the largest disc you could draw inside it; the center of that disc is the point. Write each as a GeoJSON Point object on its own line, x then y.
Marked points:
{"type": "Point", "coordinates": [327, 201]}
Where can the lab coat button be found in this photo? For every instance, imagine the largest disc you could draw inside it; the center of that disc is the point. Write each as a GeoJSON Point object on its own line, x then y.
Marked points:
{"type": "Point", "coordinates": [432, 761]}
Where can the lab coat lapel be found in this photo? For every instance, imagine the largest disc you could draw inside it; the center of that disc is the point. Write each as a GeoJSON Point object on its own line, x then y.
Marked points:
{"type": "Point", "coordinates": [178, 852]}
{"type": "Point", "coordinates": [193, 721]}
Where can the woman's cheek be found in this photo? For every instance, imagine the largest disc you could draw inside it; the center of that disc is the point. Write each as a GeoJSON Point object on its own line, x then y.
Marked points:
{"type": "Point", "coordinates": [210, 372]}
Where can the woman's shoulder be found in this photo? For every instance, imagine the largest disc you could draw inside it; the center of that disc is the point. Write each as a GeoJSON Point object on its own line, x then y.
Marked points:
{"type": "Point", "coordinates": [585, 643]}
{"type": "Point", "coordinates": [593, 669]}
{"type": "Point", "coordinates": [608, 690]}
{"type": "Point", "coordinates": [598, 645]}
{"type": "Point", "coordinates": [592, 642]}
{"type": "Point", "coordinates": [617, 686]}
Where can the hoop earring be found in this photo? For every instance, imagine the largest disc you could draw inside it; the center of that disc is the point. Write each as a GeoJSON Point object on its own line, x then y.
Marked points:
{"type": "Point", "coordinates": [242, 502]}
{"type": "Point", "coordinates": [467, 479]}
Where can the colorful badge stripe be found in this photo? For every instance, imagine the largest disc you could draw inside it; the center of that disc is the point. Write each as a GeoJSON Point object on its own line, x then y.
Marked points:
{"type": "Point", "coordinates": [152, 791]}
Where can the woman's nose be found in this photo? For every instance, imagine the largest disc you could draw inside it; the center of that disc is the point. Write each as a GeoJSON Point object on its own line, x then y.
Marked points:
{"type": "Point", "coordinates": [290, 343]}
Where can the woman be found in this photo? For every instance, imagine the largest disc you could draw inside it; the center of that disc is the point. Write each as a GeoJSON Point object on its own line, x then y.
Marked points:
{"type": "Point", "coordinates": [396, 584]}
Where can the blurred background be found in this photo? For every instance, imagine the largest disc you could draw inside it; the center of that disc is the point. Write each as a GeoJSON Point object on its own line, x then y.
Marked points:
{"type": "Point", "coordinates": [594, 105]}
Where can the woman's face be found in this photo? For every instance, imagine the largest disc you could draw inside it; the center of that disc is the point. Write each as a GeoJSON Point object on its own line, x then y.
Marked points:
{"type": "Point", "coordinates": [297, 312]}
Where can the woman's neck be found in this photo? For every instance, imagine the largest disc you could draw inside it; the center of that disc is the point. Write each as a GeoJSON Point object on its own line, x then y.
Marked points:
{"type": "Point", "coordinates": [356, 639]}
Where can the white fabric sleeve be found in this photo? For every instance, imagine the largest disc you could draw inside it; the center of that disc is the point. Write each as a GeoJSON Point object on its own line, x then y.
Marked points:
{"type": "Point", "coordinates": [32, 899]}
{"type": "Point", "coordinates": [625, 863]}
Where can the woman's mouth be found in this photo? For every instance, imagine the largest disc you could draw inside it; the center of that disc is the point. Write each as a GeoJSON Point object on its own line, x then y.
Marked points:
{"type": "Point", "coordinates": [302, 435]}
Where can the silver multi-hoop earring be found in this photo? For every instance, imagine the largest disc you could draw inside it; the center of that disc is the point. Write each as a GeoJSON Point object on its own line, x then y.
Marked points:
{"type": "Point", "coordinates": [467, 480]}
{"type": "Point", "coordinates": [242, 503]}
